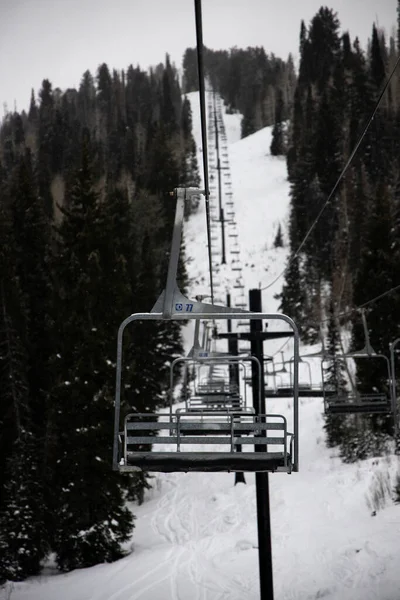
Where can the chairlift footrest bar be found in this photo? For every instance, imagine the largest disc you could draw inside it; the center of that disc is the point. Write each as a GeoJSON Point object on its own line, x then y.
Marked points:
{"type": "Point", "coordinates": [168, 462]}
{"type": "Point", "coordinates": [348, 409]}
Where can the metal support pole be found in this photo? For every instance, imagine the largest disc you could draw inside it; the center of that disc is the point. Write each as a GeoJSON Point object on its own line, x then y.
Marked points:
{"type": "Point", "coordinates": [217, 153]}
{"type": "Point", "coordinates": [221, 210]}
{"type": "Point", "coordinates": [223, 260]}
{"type": "Point", "coordinates": [262, 480]}
{"type": "Point", "coordinates": [233, 350]}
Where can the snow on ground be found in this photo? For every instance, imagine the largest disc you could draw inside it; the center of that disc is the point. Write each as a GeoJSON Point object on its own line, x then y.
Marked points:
{"type": "Point", "coordinates": [195, 535]}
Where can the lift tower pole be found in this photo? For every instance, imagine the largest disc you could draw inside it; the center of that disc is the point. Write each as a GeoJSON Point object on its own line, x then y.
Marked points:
{"type": "Point", "coordinates": [233, 350]}
{"type": "Point", "coordinates": [221, 210]}
{"type": "Point", "coordinates": [262, 480]}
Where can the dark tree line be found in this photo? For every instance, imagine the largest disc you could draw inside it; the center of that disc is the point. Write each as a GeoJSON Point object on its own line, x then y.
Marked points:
{"type": "Point", "coordinates": [258, 85]}
{"type": "Point", "coordinates": [352, 255]}
{"type": "Point", "coordinates": [85, 227]}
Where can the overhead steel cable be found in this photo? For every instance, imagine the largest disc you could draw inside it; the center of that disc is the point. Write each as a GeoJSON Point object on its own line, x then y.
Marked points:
{"type": "Point", "coordinates": [357, 308]}
{"type": "Point", "coordinates": [349, 161]}
{"type": "Point", "coordinates": [349, 312]}
{"type": "Point", "coordinates": [200, 66]}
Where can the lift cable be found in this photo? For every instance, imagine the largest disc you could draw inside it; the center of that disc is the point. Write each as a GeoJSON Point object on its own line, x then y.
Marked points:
{"type": "Point", "coordinates": [347, 312]}
{"type": "Point", "coordinates": [200, 65]}
{"type": "Point", "coordinates": [282, 347]}
{"type": "Point", "coordinates": [357, 308]}
{"type": "Point", "coordinates": [349, 161]}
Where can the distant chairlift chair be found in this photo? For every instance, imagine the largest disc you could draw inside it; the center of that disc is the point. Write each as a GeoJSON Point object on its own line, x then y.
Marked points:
{"type": "Point", "coordinates": [356, 402]}
{"type": "Point", "coordinates": [210, 393]}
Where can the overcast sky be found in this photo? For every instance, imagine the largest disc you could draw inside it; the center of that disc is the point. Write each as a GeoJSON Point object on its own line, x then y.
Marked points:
{"type": "Point", "coordinates": [60, 39]}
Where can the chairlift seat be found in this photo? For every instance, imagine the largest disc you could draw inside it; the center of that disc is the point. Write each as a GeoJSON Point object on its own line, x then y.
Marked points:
{"type": "Point", "coordinates": [360, 403]}
{"type": "Point", "coordinates": [173, 437]}
{"type": "Point", "coordinates": [215, 400]}
{"type": "Point", "coordinates": [305, 391]}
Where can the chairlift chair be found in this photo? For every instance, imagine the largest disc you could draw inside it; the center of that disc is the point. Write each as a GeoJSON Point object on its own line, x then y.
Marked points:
{"type": "Point", "coordinates": [175, 445]}
{"type": "Point", "coordinates": [210, 393]}
{"type": "Point", "coordinates": [306, 387]}
{"type": "Point", "coordinates": [230, 375]}
{"type": "Point", "coordinates": [218, 430]}
{"type": "Point", "coordinates": [356, 402]}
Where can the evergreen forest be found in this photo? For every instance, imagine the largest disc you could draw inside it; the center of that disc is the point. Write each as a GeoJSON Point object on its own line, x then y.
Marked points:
{"type": "Point", "coordinates": [85, 225]}
{"type": "Point", "coordinates": [344, 246]}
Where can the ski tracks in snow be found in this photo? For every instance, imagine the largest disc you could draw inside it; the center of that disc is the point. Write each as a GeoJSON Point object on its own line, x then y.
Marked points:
{"type": "Point", "coordinates": [193, 571]}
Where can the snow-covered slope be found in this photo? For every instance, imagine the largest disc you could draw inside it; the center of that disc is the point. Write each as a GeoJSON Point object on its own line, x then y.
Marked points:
{"type": "Point", "coordinates": [195, 536]}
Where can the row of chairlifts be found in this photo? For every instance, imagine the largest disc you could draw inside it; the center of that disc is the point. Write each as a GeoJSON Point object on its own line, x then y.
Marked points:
{"type": "Point", "coordinates": [337, 401]}
{"type": "Point", "coordinates": [216, 420]}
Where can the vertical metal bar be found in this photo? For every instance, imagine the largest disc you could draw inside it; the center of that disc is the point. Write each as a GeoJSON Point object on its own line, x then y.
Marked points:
{"type": "Point", "coordinates": [125, 441]}
{"type": "Point", "coordinates": [273, 372]}
{"type": "Point", "coordinates": [262, 480]}
{"type": "Point", "coordinates": [175, 251]}
{"type": "Point", "coordinates": [204, 337]}
{"type": "Point", "coordinates": [178, 433]}
{"type": "Point", "coordinates": [171, 387]}
{"type": "Point", "coordinates": [200, 63]}
{"type": "Point", "coordinates": [217, 153]}
{"type": "Point", "coordinates": [117, 406]}
{"type": "Point", "coordinates": [221, 210]}
{"type": "Point", "coordinates": [296, 359]}
{"type": "Point", "coordinates": [233, 350]}
{"type": "Point", "coordinates": [228, 303]}
{"type": "Point", "coordinates": [196, 342]}
{"type": "Point", "coordinates": [223, 249]}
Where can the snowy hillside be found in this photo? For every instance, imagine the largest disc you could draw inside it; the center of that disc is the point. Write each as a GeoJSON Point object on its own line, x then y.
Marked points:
{"type": "Point", "coordinates": [195, 535]}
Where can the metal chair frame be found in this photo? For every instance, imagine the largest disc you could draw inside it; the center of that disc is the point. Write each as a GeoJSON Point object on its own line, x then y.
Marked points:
{"type": "Point", "coordinates": [159, 459]}
{"type": "Point", "coordinates": [133, 452]}
{"type": "Point", "coordinates": [223, 387]}
{"type": "Point", "coordinates": [355, 402]}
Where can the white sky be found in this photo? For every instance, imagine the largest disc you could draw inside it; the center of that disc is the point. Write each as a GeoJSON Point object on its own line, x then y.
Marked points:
{"type": "Point", "coordinates": [60, 39]}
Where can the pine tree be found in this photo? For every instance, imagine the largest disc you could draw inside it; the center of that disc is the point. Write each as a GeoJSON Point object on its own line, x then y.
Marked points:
{"type": "Point", "coordinates": [189, 171]}
{"type": "Point", "coordinates": [324, 46]}
{"type": "Point", "coordinates": [104, 100]}
{"type": "Point", "coordinates": [278, 144]}
{"type": "Point", "coordinates": [377, 139]}
{"type": "Point", "coordinates": [334, 379]}
{"type": "Point", "coordinates": [398, 26]}
{"type": "Point", "coordinates": [92, 521]}
{"type": "Point", "coordinates": [45, 134]}
{"type": "Point", "coordinates": [22, 527]}
{"type": "Point", "coordinates": [278, 242]}
{"type": "Point", "coordinates": [190, 74]}
{"type": "Point", "coordinates": [62, 312]}
{"type": "Point", "coordinates": [377, 64]}
{"type": "Point", "coordinates": [359, 98]}
{"type": "Point", "coordinates": [33, 255]}
{"type": "Point", "coordinates": [292, 297]}
{"type": "Point", "coordinates": [33, 110]}
{"type": "Point", "coordinates": [23, 530]}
